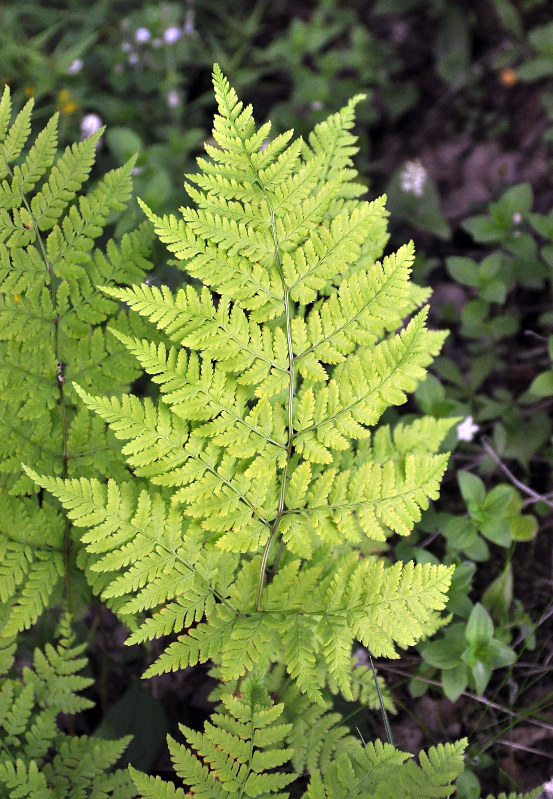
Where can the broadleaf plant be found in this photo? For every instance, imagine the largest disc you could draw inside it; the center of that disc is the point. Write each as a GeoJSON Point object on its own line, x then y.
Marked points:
{"type": "Point", "coordinates": [260, 483]}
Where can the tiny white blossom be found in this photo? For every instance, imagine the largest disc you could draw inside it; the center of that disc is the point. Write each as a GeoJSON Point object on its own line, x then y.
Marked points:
{"type": "Point", "coordinates": [171, 35]}
{"type": "Point", "coordinates": [548, 789]}
{"type": "Point", "coordinates": [90, 124]}
{"type": "Point", "coordinates": [173, 98]}
{"type": "Point", "coordinates": [75, 66]}
{"type": "Point", "coordinates": [467, 429]}
{"type": "Point", "coordinates": [137, 170]}
{"type": "Point", "coordinates": [126, 47]}
{"type": "Point", "coordinates": [156, 43]}
{"type": "Point", "coordinates": [133, 59]}
{"type": "Point", "coordinates": [517, 218]}
{"type": "Point", "coordinates": [317, 105]}
{"type": "Point", "coordinates": [142, 35]}
{"type": "Point", "coordinates": [413, 177]}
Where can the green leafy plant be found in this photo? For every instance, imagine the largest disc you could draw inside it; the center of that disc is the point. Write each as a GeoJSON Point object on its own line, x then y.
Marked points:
{"type": "Point", "coordinates": [53, 331]}
{"type": "Point", "coordinates": [246, 433]}
{"type": "Point", "coordinates": [29, 706]}
{"type": "Point", "coordinates": [264, 478]}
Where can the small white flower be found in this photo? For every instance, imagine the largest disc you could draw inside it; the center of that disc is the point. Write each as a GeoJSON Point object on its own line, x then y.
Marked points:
{"type": "Point", "coordinates": [548, 789]}
{"type": "Point", "coordinates": [90, 124]}
{"type": "Point", "coordinates": [133, 59]}
{"type": "Point", "coordinates": [413, 177]}
{"type": "Point", "coordinates": [142, 35]}
{"type": "Point", "coordinates": [317, 105]}
{"type": "Point", "coordinates": [75, 66]}
{"type": "Point", "coordinates": [516, 218]}
{"type": "Point", "coordinates": [137, 170]}
{"type": "Point", "coordinates": [173, 98]}
{"type": "Point", "coordinates": [467, 429]}
{"type": "Point", "coordinates": [171, 35]}
{"type": "Point", "coordinates": [126, 47]}
{"type": "Point", "coordinates": [156, 43]}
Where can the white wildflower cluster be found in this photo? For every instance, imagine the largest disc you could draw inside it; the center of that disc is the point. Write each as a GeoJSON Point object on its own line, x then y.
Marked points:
{"type": "Point", "coordinates": [173, 98]}
{"type": "Point", "coordinates": [75, 66]}
{"type": "Point", "coordinates": [516, 219]}
{"type": "Point", "coordinates": [413, 178]}
{"type": "Point", "coordinates": [143, 36]}
{"type": "Point", "coordinates": [467, 429]}
{"type": "Point", "coordinates": [171, 35]}
{"type": "Point", "coordinates": [90, 124]}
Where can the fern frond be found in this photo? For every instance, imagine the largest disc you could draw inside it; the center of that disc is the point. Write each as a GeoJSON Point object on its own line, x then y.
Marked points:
{"type": "Point", "coordinates": [260, 471]}
{"type": "Point", "coordinates": [376, 767]}
{"type": "Point", "coordinates": [66, 178]}
{"type": "Point", "coordinates": [13, 143]}
{"type": "Point", "coordinates": [29, 706]}
{"type": "Point", "coordinates": [51, 332]}
{"type": "Point", "coordinates": [223, 333]}
{"type": "Point", "coordinates": [238, 754]}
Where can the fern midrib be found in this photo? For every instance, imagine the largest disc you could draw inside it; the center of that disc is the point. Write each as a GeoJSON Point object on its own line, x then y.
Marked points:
{"type": "Point", "coordinates": [375, 501]}
{"type": "Point", "coordinates": [345, 235]}
{"type": "Point", "coordinates": [175, 554]}
{"type": "Point", "coordinates": [34, 544]}
{"type": "Point", "coordinates": [247, 348]}
{"type": "Point", "coordinates": [350, 320]}
{"type": "Point", "coordinates": [227, 409]}
{"type": "Point", "coordinates": [67, 541]}
{"type": "Point", "coordinates": [252, 750]}
{"type": "Point", "coordinates": [231, 486]}
{"type": "Point", "coordinates": [34, 443]}
{"type": "Point", "coordinates": [289, 445]}
{"type": "Point", "coordinates": [363, 397]}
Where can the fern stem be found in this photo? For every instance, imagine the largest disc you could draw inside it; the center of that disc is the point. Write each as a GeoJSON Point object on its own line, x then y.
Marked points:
{"type": "Point", "coordinates": [387, 727]}
{"type": "Point", "coordinates": [289, 444]}
{"type": "Point", "coordinates": [67, 543]}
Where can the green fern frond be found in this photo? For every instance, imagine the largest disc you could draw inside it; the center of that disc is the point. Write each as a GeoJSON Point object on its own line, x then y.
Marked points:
{"type": "Point", "coordinates": [376, 767]}
{"type": "Point", "coordinates": [29, 706]}
{"type": "Point", "coordinates": [52, 332]}
{"type": "Point", "coordinates": [260, 473]}
{"type": "Point", "coordinates": [239, 754]}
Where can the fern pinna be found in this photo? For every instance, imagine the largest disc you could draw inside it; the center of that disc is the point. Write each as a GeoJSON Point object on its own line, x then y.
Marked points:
{"type": "Point", "coordinates": [52, 331]}
{"type": "Point", "coordinates": [261, 480]}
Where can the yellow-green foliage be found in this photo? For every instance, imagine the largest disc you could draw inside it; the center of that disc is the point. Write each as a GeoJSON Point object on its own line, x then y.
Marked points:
{"type": "Point", "coordinates": [29, 707]}
{"type": "Point", "coordinates": [252, 538]}
{"type": "Point", "coordinates": [261, 477]}
{"type": "Point", "coordinates": [52, 332]}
